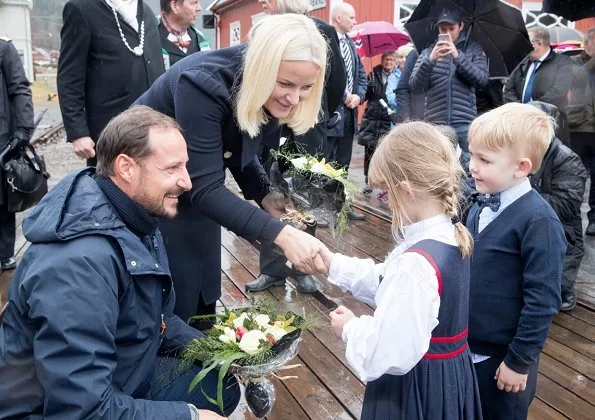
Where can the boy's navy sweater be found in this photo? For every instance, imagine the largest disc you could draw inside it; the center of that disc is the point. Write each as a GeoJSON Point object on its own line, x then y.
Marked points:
{"type": "Point", "coordinates": [516, 272]}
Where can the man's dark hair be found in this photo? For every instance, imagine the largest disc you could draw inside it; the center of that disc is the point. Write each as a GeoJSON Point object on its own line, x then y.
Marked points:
{"type": "Point", "coordinates": [128, 134]}
{"type": "Point", "coordinates": [166, 5]}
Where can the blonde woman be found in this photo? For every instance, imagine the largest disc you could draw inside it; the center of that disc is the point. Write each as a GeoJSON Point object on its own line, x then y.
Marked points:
{"type": "Point", "coordinates": [228, 103]}
{"type": "Point", "coordinates": [413, 351]}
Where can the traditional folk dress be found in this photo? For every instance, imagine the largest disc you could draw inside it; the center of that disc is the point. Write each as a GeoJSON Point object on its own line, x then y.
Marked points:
{"type": "Point", "coordinates": [413, 352]}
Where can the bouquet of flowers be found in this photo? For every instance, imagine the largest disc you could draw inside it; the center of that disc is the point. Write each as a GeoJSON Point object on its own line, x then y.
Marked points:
{"type": "Point", "coordinates": [250, 343]}
{"type": "Point", "coordinates": [315, 190]}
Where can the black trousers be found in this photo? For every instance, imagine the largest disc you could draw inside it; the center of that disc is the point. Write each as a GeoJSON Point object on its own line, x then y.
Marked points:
{"type": "Point", "coordinates": [272, 263]}
{"type": "Point", "coordinates": [369, 150]}
{"type": "Point", "coordinates": [7, 232]}
{"type": "Point", "coordinates": [502, 405]}
{"type": "Point", "coordinates": [338, 149]}
{"type": "Point", "coordinates": [584, 145]}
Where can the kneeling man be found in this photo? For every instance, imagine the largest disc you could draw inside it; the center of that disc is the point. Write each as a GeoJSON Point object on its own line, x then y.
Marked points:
{"type": "Point", "coordinates": [89, 330]}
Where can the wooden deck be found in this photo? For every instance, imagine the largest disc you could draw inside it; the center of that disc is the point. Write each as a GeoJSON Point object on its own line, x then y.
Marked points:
{"type": "Point", "coordinates": [327, 387]}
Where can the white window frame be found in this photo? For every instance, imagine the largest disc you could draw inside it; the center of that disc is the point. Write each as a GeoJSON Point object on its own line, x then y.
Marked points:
{"type": "Point", "coordinates": [397, 21]}
{"type": "Point", "coordinates": [235, 28]}
{"type": "Point", "coordinates": [534, 8]}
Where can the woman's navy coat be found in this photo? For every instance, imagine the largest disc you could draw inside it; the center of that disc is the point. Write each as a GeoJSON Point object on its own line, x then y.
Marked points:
{"type": "Point", "coordinates": [197, 92]}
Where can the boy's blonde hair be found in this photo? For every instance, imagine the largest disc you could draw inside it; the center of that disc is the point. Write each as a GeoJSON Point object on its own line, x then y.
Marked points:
{"type": "Point", "coordinates": [520, 128]}
{"type": "Point", "coordinates": [276, 38]}
{"type": "Point", "coordinates": [418, 154]}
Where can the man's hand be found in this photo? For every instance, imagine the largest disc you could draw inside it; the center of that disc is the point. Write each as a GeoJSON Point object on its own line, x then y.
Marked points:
{"type": "Point", "coordinates": [340, 317]}
{"type": "Point", "coordinates": [209, 415]}
{"type": "Point", "coordinates": [509, 380]}
{"type": "Point", "coordinates": [301, 249]}
{"type": "Point", "coordinates": [443, 48]}
{"type": "Point", "coordinates": [275, 204]}
{"type": "Point", "coordinates": [352, 101]}
{"type": "Point", "coordinates": [84, 147]}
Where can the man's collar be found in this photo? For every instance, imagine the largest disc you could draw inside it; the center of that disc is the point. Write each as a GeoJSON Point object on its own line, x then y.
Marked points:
{"type": "Point", "coordinates": [544, 56]}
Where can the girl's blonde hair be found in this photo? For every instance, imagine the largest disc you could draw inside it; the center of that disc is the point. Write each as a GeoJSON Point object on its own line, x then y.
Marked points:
{"type": "Point", "coordinates": [417, 153]}
{"type": "Point", "coordinates": [276, 38]}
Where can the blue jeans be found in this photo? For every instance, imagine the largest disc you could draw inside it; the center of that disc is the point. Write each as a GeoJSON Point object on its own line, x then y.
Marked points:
{"type": "Point", "coordinates": [171, 381]}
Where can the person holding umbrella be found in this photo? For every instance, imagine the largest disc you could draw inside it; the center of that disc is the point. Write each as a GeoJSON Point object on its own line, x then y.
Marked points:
{"type": "Point", "coordinates": [448, 73]}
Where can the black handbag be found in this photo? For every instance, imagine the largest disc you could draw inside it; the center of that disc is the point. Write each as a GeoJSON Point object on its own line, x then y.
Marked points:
{"type": "Point", "coordinates": [26, 178]}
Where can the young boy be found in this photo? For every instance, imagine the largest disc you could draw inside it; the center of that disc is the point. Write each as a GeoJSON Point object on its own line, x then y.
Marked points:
{"type": "Point", "coordinates": [516, 266]}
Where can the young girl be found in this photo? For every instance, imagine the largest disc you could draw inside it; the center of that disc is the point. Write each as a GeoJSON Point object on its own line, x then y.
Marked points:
{"type": "Point", "coordinates": [413, 351]}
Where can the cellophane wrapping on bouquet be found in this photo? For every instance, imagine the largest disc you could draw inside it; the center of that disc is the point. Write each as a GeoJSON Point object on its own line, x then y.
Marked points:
{"type": "Point", "coordinates": [315, 190]}
{"type": "Point", "coordinates": [250, 343]}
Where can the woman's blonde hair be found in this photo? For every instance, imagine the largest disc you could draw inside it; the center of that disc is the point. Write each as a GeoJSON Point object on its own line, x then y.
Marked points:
{"type": "Point", "coordinates": [417, 154]}
{"type": "Point", "coordinates": [276, 38]}
{"type": "Point", "coordinates": [294, 6]}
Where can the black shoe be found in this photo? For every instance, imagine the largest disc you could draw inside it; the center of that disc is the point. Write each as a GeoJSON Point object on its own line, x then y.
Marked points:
{"type": "Point", "coordinates": [306, 284]}
{"type": "Point", "coordinates": [591, 229]}
{"type": "Point", "coordinates": [263, 282]}
{"type": "Point", "coordinates": [321, 223]}
{"type": "Point", "coordinates": [8, 263]}
{"type": "Point", "coordinates": [568, 302]}
{"type": "Point", "coordinates": [367, 190]}
{"type": "Point", "coordinates": [355, 216]}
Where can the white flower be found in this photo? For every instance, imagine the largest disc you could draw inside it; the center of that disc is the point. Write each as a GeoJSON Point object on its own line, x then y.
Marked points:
{"type": "Point", "coordinates": [276, 332]}
{"type": "Point", "coordinates": [319, 168]}
{"type": "Point", "coordinates": [300, 163]}
{"type": "Point", "coordinates": [225, 339]}
{"type": "Point", "coordinates": [262, 320]}
{"type": "Point", "coordinates": [229, 333]}
{"type": "Point", "coordinates": [240, 320]}
{"type": "Point", "coordinates": [250, 341]}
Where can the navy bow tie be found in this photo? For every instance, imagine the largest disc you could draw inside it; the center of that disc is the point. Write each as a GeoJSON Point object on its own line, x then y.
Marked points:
{"type": "Point", "coordinates": [489, 200]}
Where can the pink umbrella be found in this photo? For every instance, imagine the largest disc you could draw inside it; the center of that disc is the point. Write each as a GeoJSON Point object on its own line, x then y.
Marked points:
{"type": "Point", "coordinates": [378, 37]}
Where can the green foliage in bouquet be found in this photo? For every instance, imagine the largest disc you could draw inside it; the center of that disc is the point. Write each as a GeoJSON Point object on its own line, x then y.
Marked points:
{"type": "Point", "coordinates": [254, 336]}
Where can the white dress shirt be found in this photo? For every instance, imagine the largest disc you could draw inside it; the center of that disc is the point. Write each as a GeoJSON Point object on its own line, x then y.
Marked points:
{"type": "Point", "coordinates": [486, 216]}
{"type": "Point", "coordinates": [532, 68]}
{"type": "Point", "coordinates": [507, 197]}
{"type": "Point", "coordinates": [397, 336]}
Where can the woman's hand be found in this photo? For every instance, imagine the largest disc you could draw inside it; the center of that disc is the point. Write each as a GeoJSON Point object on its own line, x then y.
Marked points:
{"type": "Point", "coordinates": [301, 249]}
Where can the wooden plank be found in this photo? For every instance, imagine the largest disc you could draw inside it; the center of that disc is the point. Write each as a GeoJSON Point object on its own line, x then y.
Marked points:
{"type": "Point", "coordinates": [583, 314]}
{"type": "Point", "coordinates": [571, 358]}
{"type": "Point", "coordinates": [539, 410]}
{"type": "Point", "coordinates": [576, 326]}
{"type": "Point", "coordinates": [286, 406]}
{"type": "Point", "coordinates": [563, 400]}
{"type": "Point", "coordinates": [573, 340]}
{"type": "Point", "coordinates": [309, 391]}
{"type": "Point", "coordinates": [568, 378]}
{"type": "Point", "coordinates": [336, 376]}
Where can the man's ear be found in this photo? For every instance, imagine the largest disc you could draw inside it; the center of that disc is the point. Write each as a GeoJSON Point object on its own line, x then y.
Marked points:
{"type": "Point", "coordinates": [124, 168]}
{"type": "Point", "coordinates": [462, 25]}
{"type": "Point", "coordinates": [524, 168]}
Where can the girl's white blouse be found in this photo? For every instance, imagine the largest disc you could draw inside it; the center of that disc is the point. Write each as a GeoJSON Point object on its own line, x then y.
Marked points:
{"type": "Point", "coordinates": [397, 336]}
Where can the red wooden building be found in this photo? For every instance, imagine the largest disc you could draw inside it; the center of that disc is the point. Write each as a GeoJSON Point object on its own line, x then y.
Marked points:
{"type": "Point", "coordinates": [235, 17]}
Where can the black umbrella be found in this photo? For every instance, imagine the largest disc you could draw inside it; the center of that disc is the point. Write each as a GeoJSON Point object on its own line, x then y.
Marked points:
{"type": "Point", "coordinates": [570, 9]}
{"type": "Point", "coordinates": [498, 27]}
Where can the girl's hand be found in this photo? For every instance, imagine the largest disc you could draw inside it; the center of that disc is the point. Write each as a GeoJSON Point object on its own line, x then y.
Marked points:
{"type": "Point", "coordinates": [340, 317]}
{"type": "Point", "coordinates": [327, 259]}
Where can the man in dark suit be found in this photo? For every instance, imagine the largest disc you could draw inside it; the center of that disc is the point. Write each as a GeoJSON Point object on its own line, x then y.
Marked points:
{"type": "Point", "coordinates": [110, 54]}
{"type": "Point", "coordinates": [340, 136]}
{"type": "Point", "coordinates": [179, 38]}
{"type": "Point", "coordinates": [16, 127]}
{"type": "Point", "coordinates": [543, 76]}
